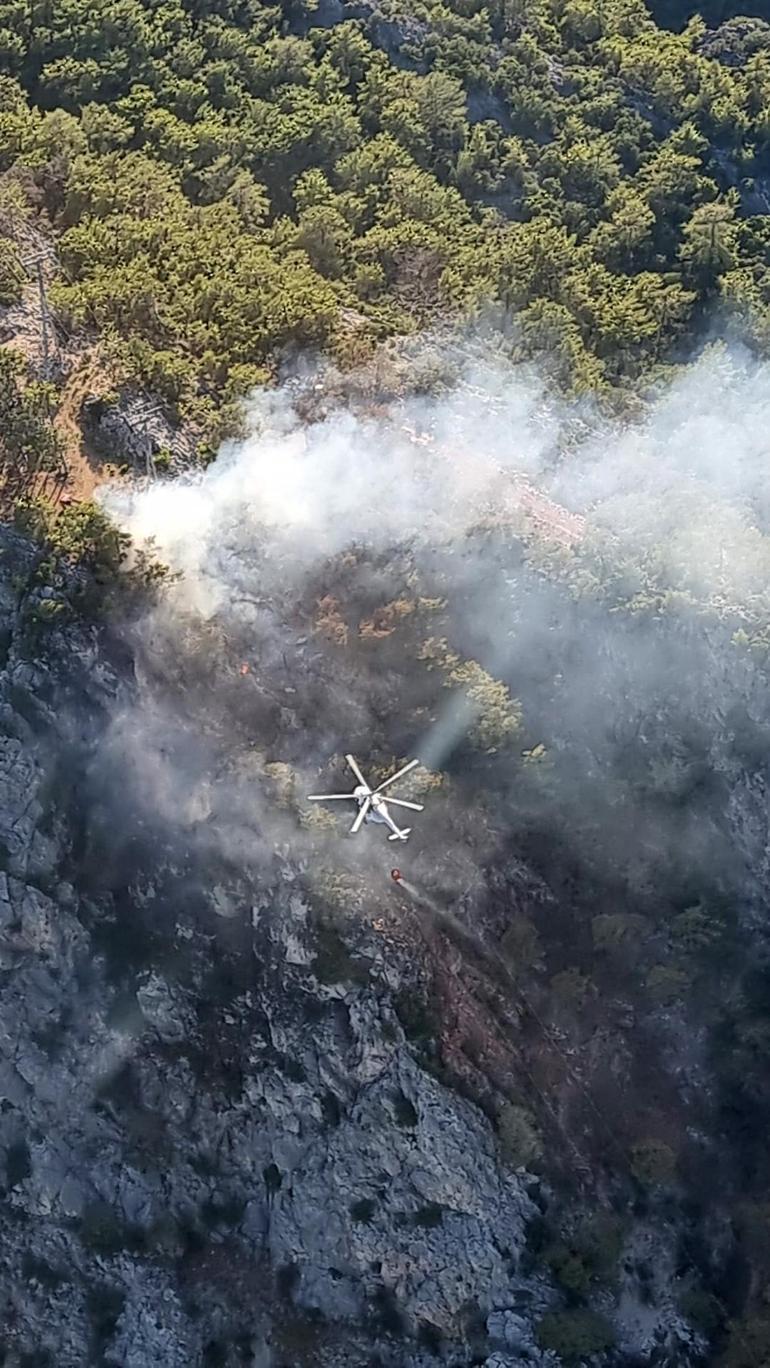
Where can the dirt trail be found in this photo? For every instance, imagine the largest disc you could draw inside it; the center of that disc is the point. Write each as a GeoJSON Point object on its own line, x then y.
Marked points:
{"type": "Point", "coordinates": [29, 328]}
{"type": "Point", "coordinates": [550, 520]}
{"type": "Point", "coordinates": [89, 377]}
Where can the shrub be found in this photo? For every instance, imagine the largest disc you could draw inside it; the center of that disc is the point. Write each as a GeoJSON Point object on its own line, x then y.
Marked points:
{"type": "Point", "coordinates": [363, 1210]}
{"type": "Point", "coordinates": [105, 1307]}
{"type": "Point", "coordinates": [333, 962]}
{"type": "Point", "coordinates": [103, 1230]}
{"type": "Point", "coordinates": [696, 929]}
{"type": "Point", "coordinates": [404, 1111]}
{"type": "Point", "coordinates": [11, 273]}
{"type": "Point", "coordinates": [653, 1162]}
{"type": "Point", "coordinates": [574, 1334]}
{"type": "Point", "coordinates": [569, 1267]}
{"type": "Point", "coordinates": [28, 441]}
{"type": "Point", "coordinates": [702, 1310]}
{"type": "Point", "coordinates": [521, 945]}
{"type": "Point", "coordinates": [76, 534]}
{"type": "Point", "coordinates": [284, 782]}
{"type": "Point", "coordinates": [429, 1216]}
{"type": "Point", "coordinates": [571, 988]}
{"type": "Point", "coordinates": [667, 985]}
{"type": "Point", "coordinates": [416, 1017]}
{"type": "Point", "coordinates": [747, 1345]}
{"type": "Point", "coordinates": [80, 536]}
{"type": "Point", "coordinates": [520, 1142]}
{"type": "Point", "coordinates": [498, 716]}
{"type": "Point", "coordinates": [611, 930]}
{"type": "Point", "coordinates": [494, 717]}
{"type": "Point", "coordinates": [272, 1177]}
{"type": "Point", "coordinates": [589, 1253]}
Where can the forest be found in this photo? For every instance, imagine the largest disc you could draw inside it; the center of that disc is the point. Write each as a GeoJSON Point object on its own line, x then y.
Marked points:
{"type": "Point", "coordinates": [224, 181]}
{"type": "Point", "coordinates": [221, 188]}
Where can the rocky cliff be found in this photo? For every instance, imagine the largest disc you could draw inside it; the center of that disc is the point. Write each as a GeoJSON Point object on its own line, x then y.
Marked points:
{"type": "Point", "coordinates": [209, 1154]}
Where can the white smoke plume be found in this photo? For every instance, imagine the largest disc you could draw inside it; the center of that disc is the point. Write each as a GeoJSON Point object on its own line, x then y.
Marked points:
{"type": "Point", "coordinates": [692, 480]}
{"type": "Point", "coordinates": [343, 481]}
{"type": "Point", "coordinates": [693, 475]}
{"type": "Point", "coordinates": [683, 490]}
{"type": "Point", "coordinates": [513, 511]}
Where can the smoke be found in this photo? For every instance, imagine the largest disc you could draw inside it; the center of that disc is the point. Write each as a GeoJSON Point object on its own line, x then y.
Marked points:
{"type": "Point", "coordinates": [691, 481]}
{"type": "Point", "coordinates": [269, 649]}
{"type": "Point", "coordinates": [692, 476]}
{"type": "Point", "coordinates": [261, 536]}
{"type": "Point", "coordinates": [337, 571]}
{"type": "Point", "coordinates": [312, 491]}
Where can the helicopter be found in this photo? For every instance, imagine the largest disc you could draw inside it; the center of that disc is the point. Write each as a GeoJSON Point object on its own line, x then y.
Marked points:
{"type": "Point", "coordinates": [372, 806]}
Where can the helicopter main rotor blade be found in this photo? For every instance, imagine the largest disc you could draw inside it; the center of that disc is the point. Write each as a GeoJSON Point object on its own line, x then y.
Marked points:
{"type": "Point", "coordinates": [327, 797]}
{"type": "Point", "coordinates": [359, 776]}
{"type": "Point", "coordinates": [404, 770]}
{"type": "Point", "coordinates": [361, 815]}
{"type": "Point", "coordinates": [402, 802]}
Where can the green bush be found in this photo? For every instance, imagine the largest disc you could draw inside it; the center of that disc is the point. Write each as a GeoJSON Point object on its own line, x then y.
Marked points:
{"type": "Point", "coordinates": [703, 1310]}
{"type": "Point", "coordinates": [429, 1216]}
{"type": "Point", "coordinates": [103, 1230]}
{"type": "Point", "coordinates": [748, 1344]}
{"type": "Point", "coordinates": [333, 962]}
{"type": "Point", "coordinates": [575, 1334]}
{"type": "Point", "coordinates": [363, 1210]}
{"type": "Point", "coordinates": [222, 188]}
{"type": "Point", "coordinates": [588, 1253]}
{"type": "Point", "coordinates": [653, 1162]}
{"type": "Point", "coordinates": [405, 1113]}
{"type": "Point", "coordinates": [28, 442]}
{"type": "Point", "coordinates": [520, 945]}
{"type": "Point", "coordinates": [11, 273]}
{"type": "Point", "coordinates": [668, 985]}
{"type": "Point", "coordinates": [80, 536]}
{"type": "Point", "coordinates": [570, 1268]}
{"type": "Point", "coordinates": [520, 1143]}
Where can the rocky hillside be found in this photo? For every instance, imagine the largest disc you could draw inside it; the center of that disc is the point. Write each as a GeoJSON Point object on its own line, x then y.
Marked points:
{"type": "Point", "coordinates": [218, 1146]}
{"type": "Point", "coordinates": [261, 1105]}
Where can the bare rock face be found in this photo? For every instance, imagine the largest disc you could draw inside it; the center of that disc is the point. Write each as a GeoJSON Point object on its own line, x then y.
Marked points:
{"type": "Point", "coordinates": [135, 429]}
{"type": "Point", "coordinates": [207, 1155]}
{"type": "Point", "coordinates": [404, 1194]}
